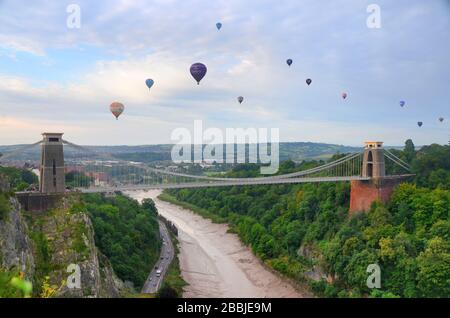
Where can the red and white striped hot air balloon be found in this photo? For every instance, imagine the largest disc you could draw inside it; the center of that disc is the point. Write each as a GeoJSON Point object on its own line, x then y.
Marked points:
{"type": "Point", "coordinates": [117, 109]}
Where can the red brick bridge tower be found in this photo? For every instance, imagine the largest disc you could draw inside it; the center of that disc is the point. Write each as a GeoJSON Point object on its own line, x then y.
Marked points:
{"type": "Point", "coordinates": [379, 187]}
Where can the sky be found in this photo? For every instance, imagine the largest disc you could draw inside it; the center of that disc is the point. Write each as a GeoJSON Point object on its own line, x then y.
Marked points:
{"type": "Point", "coordinates": [61, 79]}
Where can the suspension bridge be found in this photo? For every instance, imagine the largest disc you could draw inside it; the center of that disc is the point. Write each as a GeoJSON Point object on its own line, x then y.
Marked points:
{"type": "Point", "coordinates": [65, 167]}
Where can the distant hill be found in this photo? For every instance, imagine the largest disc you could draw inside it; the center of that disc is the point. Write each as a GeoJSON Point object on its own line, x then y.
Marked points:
{"type": "Point", "coordinates": [296, 151]}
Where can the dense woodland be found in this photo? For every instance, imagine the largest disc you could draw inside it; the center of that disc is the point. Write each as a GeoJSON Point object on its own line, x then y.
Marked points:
{"type": "Point", "coordinates": [127, 233]}
{"type": "Point", "coordinates": [303, 229]}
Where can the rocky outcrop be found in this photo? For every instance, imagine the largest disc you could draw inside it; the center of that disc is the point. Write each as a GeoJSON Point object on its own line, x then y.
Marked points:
{"type": "Point", "coordinates": [315, 272]}
{"type": "Point", "coordinates": [69, 237]}
{"type": "Point", "coordinates": [16, 252]}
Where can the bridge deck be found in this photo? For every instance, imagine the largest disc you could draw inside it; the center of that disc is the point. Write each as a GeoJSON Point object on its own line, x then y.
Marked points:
{"type": "Point", "coordinates": [219, 184]}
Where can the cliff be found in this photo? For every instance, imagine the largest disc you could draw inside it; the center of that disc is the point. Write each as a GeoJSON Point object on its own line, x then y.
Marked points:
{"type": "Point", "coordinates": [64, 243]}
{"type": "Point", "coordinates": [16, 252]}
{"type": "Point", "coordinates": [48, 249]}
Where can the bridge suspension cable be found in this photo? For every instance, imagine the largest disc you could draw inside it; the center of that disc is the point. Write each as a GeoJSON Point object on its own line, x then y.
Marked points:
{"type": "Point", "coordinates": [397, 160]}
{"type": "Point", "coordinates": [19, 151]}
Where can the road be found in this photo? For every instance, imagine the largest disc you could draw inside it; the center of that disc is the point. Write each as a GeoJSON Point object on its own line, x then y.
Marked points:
{"type": "Point", "coordinates": [153, 282]}
{"type": "Point", "coordinates": [214, 262]}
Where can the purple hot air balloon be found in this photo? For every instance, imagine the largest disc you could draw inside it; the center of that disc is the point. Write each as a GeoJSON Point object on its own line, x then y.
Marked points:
{"type": "Point", "coordinates": [402, 103]}
{"type": "Point", "coordinates": [309, 81]}
{"type": "Point", "coordinates": [198, 71]}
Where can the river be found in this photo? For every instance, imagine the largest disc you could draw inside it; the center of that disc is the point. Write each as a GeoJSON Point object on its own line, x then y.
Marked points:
{"type": "Point", "coordinates": [215, 263]}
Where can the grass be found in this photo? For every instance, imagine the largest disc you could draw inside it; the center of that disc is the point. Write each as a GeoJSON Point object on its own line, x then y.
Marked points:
{"type": "Point", "coordinates": [202, 212]}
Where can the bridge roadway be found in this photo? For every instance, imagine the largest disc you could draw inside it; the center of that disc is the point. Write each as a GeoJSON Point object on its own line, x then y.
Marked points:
{"type": "Point", "coordinates": [263, 181]}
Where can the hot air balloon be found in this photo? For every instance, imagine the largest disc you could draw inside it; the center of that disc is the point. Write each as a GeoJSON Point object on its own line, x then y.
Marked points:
{"type": "Point", "coordinates": [117, 109]}
{"type": "Point", "coordinates": [198, 71]}
{"type": "Point", "coordinates": [240, 99]}
{"type": "Point", "coordinates": [308, 81]}
{"type": "Point", "coordinates": [344, 95]}
{"type": "Point", "coordinates": [419, 123]}
{"type": "Point", "coordinates": [402, 103]}
{"type": "Point", "coordinates": [149, 83]}
{"type": "Point", "coordinates": [218, 25]}
{"type": "Point", "coordinates": [289, 62]}
{"type": "Point", "coordinates": [441, 119]}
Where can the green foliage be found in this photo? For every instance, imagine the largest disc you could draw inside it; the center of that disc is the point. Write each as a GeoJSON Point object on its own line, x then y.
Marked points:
{"type": "Point", "coordinates": [75, 179]}
{"type": "Point", "coordinates": [5, 206]}
{"type": "Point", "coordinates": [434, 269]}
{"type": "Point", "coordinates": [8, 290]}
{"type": "Point", "coordinates": [127, 233]}
{"type": "Point", "coordinates": [19, 179]}
{"type": "Point", "coordinates": [432, 166]}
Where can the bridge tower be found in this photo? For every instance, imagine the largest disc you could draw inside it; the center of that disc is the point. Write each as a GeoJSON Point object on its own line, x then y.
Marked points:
{"type": "Point", "coordinates": [373, 160]}
{"type": "Point", "coordinates": [379, 187]}
{"type": "Point", "coordinates": [52, 178]}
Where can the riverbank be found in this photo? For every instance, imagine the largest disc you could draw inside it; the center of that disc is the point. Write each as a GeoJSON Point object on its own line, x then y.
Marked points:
{"type": "Point", "coordinates": [214, 262]}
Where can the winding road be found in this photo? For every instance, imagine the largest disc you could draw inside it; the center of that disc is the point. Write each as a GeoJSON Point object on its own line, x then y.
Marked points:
{"type": "Point", "coordinates": [154, 280]}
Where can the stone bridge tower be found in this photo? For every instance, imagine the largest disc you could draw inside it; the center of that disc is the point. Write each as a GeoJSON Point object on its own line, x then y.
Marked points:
{"type": "Point", "coordinates": [52, 164]}
{"type": "Point", "coordinates": [379, 187]}
{"type": "Point", "coordinates": [373, 160]}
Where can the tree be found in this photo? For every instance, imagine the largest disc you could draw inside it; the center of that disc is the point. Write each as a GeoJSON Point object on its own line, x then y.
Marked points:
{"type": "Point", "coordinates": [409, 151]}
{"type": "Point", "coordinates": [434, 269]}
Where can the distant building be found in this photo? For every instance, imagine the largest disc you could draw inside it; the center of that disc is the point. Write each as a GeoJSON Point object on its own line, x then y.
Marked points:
{"type": "Point", "coordinates": [101, 179]}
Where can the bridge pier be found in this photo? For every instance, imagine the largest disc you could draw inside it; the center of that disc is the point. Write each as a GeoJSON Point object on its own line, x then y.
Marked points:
{"type": "Point", "coordinates": [379, 187]}
{"type": "Point", "coordinates": [364, 193]}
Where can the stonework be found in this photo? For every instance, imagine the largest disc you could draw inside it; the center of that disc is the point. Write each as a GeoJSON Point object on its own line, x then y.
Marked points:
{"type": "Point", "coordinates": [52, 164]}
{"type": "Point", "coordinates": [364, 193]}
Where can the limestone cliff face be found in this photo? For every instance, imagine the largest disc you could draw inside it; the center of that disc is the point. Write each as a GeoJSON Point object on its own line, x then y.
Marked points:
{"type": "Point", "coordinates": [16, 251]}
{"type": "Point", "coordinates": [68, 236]}
{"type": "Point", "coordinates": [44, 245]}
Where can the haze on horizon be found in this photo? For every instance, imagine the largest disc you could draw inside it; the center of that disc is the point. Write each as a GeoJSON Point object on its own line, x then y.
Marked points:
{"type": "Point", "coordinates": [53, 78]}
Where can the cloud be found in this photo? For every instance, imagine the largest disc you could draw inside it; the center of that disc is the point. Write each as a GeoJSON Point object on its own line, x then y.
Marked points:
{"type": "Point", "coordinates": [125, 42]}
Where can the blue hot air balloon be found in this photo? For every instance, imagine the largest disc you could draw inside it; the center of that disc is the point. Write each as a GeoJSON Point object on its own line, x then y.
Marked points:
{"type": "Point", "coordinates": [240, 99]}
{"type": "Point", "coordinates": [402, 103]}
{"type": "Point", "coordinates": [149, 83]}
{"type": "Point", "coordinates": [198, 71]}
{"type": "Point", "coordinates": [309, 81]}
{"type": "Point", "coordinates": [419, 123]}
{"type": "Point", "coordinates": [218, 25]}
{"type": "Point", "coordinates": [289, 62]}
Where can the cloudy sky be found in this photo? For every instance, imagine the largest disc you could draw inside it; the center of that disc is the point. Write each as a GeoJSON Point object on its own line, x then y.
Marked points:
{"type": "Point", "coordinates": [54, 78]}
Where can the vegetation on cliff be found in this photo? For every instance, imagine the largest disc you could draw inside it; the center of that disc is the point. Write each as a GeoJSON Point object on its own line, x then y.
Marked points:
{"type": "Point", "coordinates": [127, 233]}
{"type": "Point", "coordinates": [304, 231]}
{"type": "Point", "coordinates": [18, 179]}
